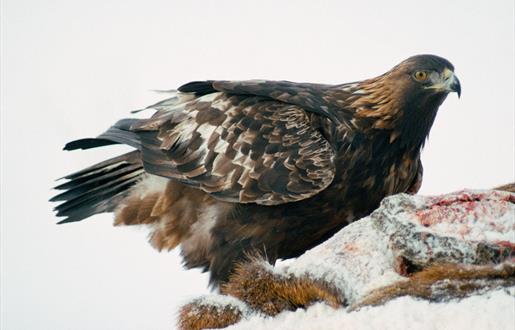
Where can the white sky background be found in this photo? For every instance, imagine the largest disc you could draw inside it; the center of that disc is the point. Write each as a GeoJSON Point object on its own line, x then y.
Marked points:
{"type": "Point", "coordinates": [70, 69]}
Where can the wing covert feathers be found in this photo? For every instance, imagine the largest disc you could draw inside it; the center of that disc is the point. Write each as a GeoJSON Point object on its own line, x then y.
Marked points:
{"type": "Point", "coordinates": [238, 148]}
{"type": "Point", "coordinates": [316, 98]}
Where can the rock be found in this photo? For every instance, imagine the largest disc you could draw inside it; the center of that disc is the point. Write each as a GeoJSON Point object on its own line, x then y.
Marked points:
{"type": "Point", "coordinates": [435, 248]}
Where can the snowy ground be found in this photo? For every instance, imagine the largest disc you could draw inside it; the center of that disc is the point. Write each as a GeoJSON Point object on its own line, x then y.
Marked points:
{"type": "Point", "coordinates": [494, 310]}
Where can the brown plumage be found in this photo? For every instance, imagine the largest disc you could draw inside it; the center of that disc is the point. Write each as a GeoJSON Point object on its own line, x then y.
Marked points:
{"type": "Point", "coordinates": [227, 168]}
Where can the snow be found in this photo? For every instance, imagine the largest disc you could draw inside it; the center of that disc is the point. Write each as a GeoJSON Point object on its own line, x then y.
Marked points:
{"type": "Point", "coordinates": [475, 215]}
{"type": "Point", "coordinates": [222, 301]}
{"type": "Point", "coordinates": [493, 310]}
{"type": "Point", "coordinates": [355, 260]}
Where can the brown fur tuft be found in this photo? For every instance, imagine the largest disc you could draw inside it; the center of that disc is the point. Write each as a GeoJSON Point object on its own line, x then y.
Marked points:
{"type": "Point", "coordinates": [256, 284]}
{"type": "Point", "coordinates": [439, 282]}
{"type": "Point", "coordinates": [197, 315]}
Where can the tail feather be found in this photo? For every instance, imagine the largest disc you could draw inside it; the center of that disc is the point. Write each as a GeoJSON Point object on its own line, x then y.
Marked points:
{"type": "Point", "coordinates": [93, 203]}
{"type": "Point", "coordinates": [97, 179]}
{"type": "Point", "coordinates": [102, 166]}
{"type": "Point", "coordinates": [99, 188]}
{"type": "Point", "coordinates": [76, 197]}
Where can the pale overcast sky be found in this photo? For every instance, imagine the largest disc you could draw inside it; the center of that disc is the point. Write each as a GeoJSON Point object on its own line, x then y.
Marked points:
{"type": "Point", "coordinates": [70, 69]}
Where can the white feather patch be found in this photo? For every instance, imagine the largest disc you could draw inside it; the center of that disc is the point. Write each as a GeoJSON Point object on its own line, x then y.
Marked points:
{"type": "Point", "coordinates": [148, 185]}
{"type": "Point", "coordinates": [200, 231]}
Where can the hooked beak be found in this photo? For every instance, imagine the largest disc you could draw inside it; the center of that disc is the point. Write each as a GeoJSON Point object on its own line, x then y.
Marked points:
{"type": "Point", "coordinates": [454, 85]}
{"type": "Point", "coordinates": [446, 82]}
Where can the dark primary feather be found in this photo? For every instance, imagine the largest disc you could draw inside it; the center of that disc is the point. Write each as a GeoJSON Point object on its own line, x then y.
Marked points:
{"type": "Point", "coordinates": [199, 88]}
{"type": "Point", "coordinates": [225, 168]}
{"type": "Point", "coordinates": [87, 143]}
{"type": "Point", "coordinates": [119, 133]}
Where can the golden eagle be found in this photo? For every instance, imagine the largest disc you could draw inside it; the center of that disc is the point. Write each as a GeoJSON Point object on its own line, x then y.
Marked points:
{"type": "Point", "coordinates": [228, 168]}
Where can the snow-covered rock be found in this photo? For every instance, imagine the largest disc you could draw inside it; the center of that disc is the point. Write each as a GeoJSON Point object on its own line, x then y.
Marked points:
{"type": "Point", "coordinates": [408, 233]}
{"type": "Point", "coordinates": [437, 248]}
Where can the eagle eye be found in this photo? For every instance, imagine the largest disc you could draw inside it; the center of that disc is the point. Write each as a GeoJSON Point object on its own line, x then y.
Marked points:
{"type": "Point", "coordinates": [420, 76]}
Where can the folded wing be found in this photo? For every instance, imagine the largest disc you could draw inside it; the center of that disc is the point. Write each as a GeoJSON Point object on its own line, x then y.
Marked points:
{"type": "Point", "coordinates": [238, 148]}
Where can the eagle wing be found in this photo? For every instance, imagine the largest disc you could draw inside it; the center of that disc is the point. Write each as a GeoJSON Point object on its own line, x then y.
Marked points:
{"type": "Point", "coordinates": [237, 147]}
{"type": "Point", "coordinates": [315, 98]}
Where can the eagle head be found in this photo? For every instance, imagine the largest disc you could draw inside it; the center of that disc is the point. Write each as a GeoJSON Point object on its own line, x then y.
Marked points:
{"type": "Point", "coordinates": [405, 99]}
{"type": "Point", "coordinates": [427, 74]}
